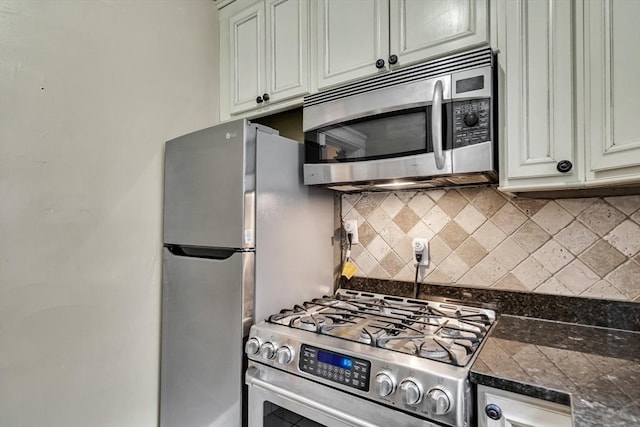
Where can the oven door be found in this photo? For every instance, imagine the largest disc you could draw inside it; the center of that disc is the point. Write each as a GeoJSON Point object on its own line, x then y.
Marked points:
{"type": "Point", "coordinates": [279, 399]}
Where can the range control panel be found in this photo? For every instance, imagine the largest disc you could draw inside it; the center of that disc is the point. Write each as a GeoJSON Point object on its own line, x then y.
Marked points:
{"type": "Point", "coordinates": [335, 367]}
{"type": "Point", "coordinates": [471, 122]}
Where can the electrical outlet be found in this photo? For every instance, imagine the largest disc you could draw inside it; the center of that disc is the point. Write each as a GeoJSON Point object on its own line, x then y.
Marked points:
{"type": "Point", "coordinates": [351, 227]}
{"type": "Point", "coordinates": [420, 246]}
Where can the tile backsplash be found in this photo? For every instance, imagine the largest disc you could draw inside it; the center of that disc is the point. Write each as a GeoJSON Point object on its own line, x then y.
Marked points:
{"type": "Point", "coordinates": [484, 238]}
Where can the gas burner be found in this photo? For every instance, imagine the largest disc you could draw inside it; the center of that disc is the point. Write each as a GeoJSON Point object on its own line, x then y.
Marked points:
{"type": "Point", "coordinates": [311, 323]}
{"type": "Point", "coordinates": [432, 350]}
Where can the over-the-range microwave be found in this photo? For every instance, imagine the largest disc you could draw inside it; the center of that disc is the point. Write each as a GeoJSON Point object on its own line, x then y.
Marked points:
{"type": "Point", "coordinates": [429, 125]}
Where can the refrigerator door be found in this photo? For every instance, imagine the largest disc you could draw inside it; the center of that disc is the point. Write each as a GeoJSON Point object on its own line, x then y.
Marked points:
{"type": "Point", "coordinates": [209, 183]}
{"type": "Point", "coordinates": [201, 355]}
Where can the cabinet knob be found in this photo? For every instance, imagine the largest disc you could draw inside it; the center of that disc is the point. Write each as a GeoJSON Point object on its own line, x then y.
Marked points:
{"type": "Point", "coordinates": [493, 411]}
{"type": "Point", "coordinates": [564, 166]}
{"type": "Point", "coordinates": [259, 100]}
{"type": "Point", "coordinates": [380, 63]}
{"type": "Point", "coordinates": [265, 97]}
{"type": "Point", "coordinates": [393, 59]}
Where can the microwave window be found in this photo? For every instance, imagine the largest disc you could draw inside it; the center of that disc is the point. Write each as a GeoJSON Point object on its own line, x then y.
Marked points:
{"type": "Point", "coordinates": [375, 138]}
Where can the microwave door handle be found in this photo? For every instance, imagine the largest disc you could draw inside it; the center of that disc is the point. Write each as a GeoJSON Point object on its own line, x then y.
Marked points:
{"type": "Point", "coordinates": [436, 125]}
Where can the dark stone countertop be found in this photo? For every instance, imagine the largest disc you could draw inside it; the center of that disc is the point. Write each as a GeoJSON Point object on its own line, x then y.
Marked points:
{"type": "Point", "coordinates": [595, 370]}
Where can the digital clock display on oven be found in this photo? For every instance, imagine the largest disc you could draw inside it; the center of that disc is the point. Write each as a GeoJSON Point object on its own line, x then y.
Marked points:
{"type": "Point", "coordinates": [350, 371]}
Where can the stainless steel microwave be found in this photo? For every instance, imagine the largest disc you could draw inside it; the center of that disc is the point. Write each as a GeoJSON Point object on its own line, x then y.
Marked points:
{"type": "Point", "coordinates": [430, 125]}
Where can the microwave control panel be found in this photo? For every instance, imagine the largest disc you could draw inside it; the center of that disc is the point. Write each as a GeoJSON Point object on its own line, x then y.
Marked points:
{"type": "Point", "coordinates": [471, 122]}
{"type": "Point", "coordinates": [335, 367]}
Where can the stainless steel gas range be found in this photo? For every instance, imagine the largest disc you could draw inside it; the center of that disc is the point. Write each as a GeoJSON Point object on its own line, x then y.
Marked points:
{"type": "Point", "coordinates": [362, 359]}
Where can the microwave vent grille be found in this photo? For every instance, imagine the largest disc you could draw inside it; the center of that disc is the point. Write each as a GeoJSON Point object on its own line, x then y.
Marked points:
{"type": "Point", "coordinates": [450, 64]}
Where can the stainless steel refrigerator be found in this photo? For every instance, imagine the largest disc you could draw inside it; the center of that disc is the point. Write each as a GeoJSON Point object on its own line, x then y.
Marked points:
{"type": "Point", "coordinates": [242, 239]}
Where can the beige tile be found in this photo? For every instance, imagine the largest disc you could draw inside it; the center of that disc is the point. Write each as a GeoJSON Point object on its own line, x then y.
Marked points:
{"type": "Point", "coordinates": [353, 214]}
{"type": "Point", "coordinates": [552, 218]}
{"type": "Point", "coordinates": [392, 264]}
{"type": "Point", "coordinates": [405, 196]}
{"type": "Point", "coordinates": [365, 263]}
{"type": "Point", "coordinates": [438, 250]}
{"type": "Point", "coordinates": [489, 201]}
{"type": "Point", "coordinates": [603, 290]}
{"type": "Point", "coordinates": [576, 206]}
{"type": "Point", "coordinates": [421, 230]}
{"type": "Point", "coordinates": [406, 219]}
{"type": "Point", "coordinates": [625, 204]}
{"type": "Point", "coordinates": [454, 267]}
{"type": "Point", "coordinates": [470, 251]}
{"type": "Point", "coordinates": [392, 205]}
{"type": "Point", "coordinates": [489, 235]}
{"type": "Point", "coordinates": [509, 254]}
{"type": "Point", "coordinates": [356, 250]}
{"type": "Point", "coordinates": [392, 234]}
{"type": "Point", "coordinates": [510, 283]}
{"type": "Point", "coordinates": [602, 258]}
{"type": "Point", "coordinates": [625, 238]}
{"type": "Point", "coordinates": [453, 235]}
{"type": "Point", "coordinates": [436, 219]}
{"type": "Point", "coordinates": [530, 236]}
{"type": "Point", "coordinates": [471, 278]}
{"type": "Point", "coordinates": [530, 207]}
{"type": "Point", "coordinates": [366, 233]}
{"type": "Point", "coordinates": [404, 250]}
{"type": "Point", "coordinates": [436, 195]}
{"type": "Point", "coordinates": [470, 219]}
{"type": "Point", "coordinates": [626, 278]}
{"type": "Point", "coordinates": [553, 256]}
{"type": "Point", "coordinates": [378, 273]}
{"type": "Point", "coordinates": [470, 193]}
{"type": "Point", "coordinates": [378, 219]}
{"type": "Point", "coordinates": [407, 274]}
{"type": "Point", "coordinates": [378, 248]}
{"type": "Point", "coordinates": [366, 205]}
{"type": "Point", "coordinates": [531, 273]}
{"type": "Point", "coordinates": [601, 217]}
{"type": "Point", "coordinates": [421, 204]}
{"type": "Point", "coordinates": [554, 287]}
{"type": "Point", "coordinates": [637, 259]}
{"type": "Point", "coordinates": [636, 217]}
{"type": "Point", "coordinates": [345, 205]}
{"type": "Point", "coordinates": [437, 276]}
{"type": "Point", "coordinates": [576, 237]}
{"type": "Point", "coordinates": [452, 203]}
{"type": "Point", "coordinates": [577, 277]}
{"type": "Point", "coordinates": [490, 270]}
{"type": "Point", "coordinates": [509, 218]}
{"type": "Point", "coordinates": [350, 200]}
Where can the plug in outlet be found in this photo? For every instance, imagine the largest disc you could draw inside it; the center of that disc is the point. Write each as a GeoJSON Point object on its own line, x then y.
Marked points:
{"type": "Point", "coordinates": [351, 227]}
{"type": "Point", "coordinates": [420, 248]}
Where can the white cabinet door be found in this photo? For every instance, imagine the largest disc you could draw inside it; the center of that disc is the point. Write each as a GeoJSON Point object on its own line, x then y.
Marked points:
{"type": "Point", "coordinates": [287, 49]}
{"type": "Point", "coordinates": [246, 57]}
{"type": "Point", "coordinates": [536, 67]}
{"type": "Point", "coordinates": [520, 411]}
{"type": "Point", "coordinates": [612, 90]}
{"type": "Point", "coordinates": [351, 36]}
{"type": "Point", "coordinates": [421, 29]}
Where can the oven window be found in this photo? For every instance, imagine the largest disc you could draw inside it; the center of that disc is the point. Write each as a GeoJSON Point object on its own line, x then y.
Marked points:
{"type": "Point", "coordinates": [383, 136]}
{"type": "Point", "coordinates": [276, 416]}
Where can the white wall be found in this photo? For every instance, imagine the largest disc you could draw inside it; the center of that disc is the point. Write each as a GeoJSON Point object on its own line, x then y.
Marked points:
{"type": "Point", "coordinates": [89, 92]}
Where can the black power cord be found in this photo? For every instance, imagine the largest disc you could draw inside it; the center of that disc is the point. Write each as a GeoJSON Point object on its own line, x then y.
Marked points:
{"type": "Point", "coordinates": [415, 281]}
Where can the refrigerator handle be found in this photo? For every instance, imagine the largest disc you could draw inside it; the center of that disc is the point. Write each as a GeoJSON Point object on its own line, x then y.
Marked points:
{"type": "Point", "coordinates": [200, 252]}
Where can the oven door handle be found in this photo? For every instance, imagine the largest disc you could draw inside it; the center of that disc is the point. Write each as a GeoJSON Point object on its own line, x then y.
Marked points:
{"type": "Point", "coordinates": [436, 125]}
{"type": "Point", "coordinates": [254, 380]}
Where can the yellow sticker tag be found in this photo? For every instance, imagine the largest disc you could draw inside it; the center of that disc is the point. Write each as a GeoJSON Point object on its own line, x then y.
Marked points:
{"type": "Point", "coordinates": [349, 269]}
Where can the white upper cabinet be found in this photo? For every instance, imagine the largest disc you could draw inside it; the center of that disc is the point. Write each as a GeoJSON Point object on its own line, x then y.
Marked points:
{"type": "Point", "coordinates": [569, 88]}
{"type": "Point", "coordinates": [612, 91]}
{"type": "Point", "coordinates": [420, 29]}
{"type": "Point", "coordinates": [359, 38]}
{"type": "Point", "coordinates": [264, 54]}
{"type": "Point", "coordinates": [536, 64]}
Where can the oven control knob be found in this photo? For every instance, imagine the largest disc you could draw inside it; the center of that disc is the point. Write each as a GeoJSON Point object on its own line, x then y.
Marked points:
{"type": "Point", "coordinates": [411, 391]}
{"type": "Point", "coordinates": [438, 401]}
{"type": "Point", "coordinates": [284, 355]}
{"type": "Point", "coordinates": [267, 351]}
{"type": "Point", "coordinates": [385, 384]}
{"type": "Point", "coordinates": [252, 346]}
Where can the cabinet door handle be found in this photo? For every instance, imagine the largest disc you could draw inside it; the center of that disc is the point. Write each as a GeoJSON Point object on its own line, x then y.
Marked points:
{"type": "Point", "coordinates": [380, 63]}
{"type": "Point", "coordinates": [493, 411]}
{"type": "Point", "coordinates": [265, 97]}
{"type": "Point", "coordinates": [259, 100]}
{"type": "Point", "coordinates": [564, 166]}
{"type": "Point", "coordinates": [393, 59]}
